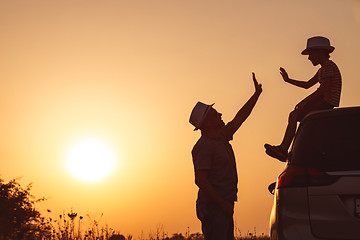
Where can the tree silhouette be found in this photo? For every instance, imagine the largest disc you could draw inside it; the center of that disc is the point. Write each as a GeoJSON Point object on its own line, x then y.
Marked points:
{"type": "Point", "coordinates": [18, 217]}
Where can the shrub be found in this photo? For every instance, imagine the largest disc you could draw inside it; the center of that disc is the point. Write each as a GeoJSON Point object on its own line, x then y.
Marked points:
{"type": "Point", "coordinates": [18, 217]}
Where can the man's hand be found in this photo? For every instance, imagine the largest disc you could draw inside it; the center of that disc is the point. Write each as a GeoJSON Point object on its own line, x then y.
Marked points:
{"type": "Point", "coordinates": [284, 74]}
{"type": "Point", "coordinates": [258, 87]}
{"type": "Point", "coordinates": [202, 181]}
{"type": "Point", "coordinates": [245, 111]}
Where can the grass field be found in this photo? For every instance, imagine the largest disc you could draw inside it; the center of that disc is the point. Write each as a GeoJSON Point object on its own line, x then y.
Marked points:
{"type": "Point", "coordinates": [70, 226]}
{"type": "Point", "coordinates": [19, 219]}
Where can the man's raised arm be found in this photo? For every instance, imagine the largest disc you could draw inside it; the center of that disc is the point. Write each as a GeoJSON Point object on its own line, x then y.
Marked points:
{"type": "Point", "coordinates": [245, 111]}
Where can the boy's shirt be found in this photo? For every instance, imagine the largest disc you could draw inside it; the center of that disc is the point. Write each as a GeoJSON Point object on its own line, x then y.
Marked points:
{"type": "Point", "coordinates": [331, 89]}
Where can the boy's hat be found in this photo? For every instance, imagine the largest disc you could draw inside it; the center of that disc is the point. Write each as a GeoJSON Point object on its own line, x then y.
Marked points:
{"type": "Point", "coordinates": [198, 114]}
{"type": "Point", "coordinates": [318, 42]}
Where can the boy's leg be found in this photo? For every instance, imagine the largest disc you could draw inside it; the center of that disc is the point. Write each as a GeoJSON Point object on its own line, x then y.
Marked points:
{"type": "Point", "coordinates": [281, 152]}
{"type": "Point", "coordinates": [290, 130]}
{"type": "Point", "coordinates": [301, 110]}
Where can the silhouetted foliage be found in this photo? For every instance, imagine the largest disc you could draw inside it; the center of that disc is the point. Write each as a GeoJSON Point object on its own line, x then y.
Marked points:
{"type": "Point", "coordinates": [117, 237]}
{"type": "Point", "coordinates": [176, 236]}
{"type": "Point", "coordinates": [18, 217]}
{"type": "Point", "coordinates": [20, 220]}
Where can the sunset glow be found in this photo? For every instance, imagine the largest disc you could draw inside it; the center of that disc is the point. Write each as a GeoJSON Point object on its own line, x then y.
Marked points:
{"type": "Point", "coordinates": [95, 98]}
{"type": "Point", "coordinates": [90, 160]}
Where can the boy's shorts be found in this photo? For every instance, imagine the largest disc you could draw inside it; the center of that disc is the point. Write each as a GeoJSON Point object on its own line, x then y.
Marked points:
{"type": "Point", "coordinates": [305, 107]}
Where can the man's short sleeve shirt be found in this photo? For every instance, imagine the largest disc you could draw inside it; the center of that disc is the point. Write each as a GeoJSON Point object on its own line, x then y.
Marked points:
{"type": "Point", "coordinates": [215, 154]}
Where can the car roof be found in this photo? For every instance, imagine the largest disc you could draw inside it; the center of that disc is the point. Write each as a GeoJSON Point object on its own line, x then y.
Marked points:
{"type": "Point", "coordinates": [343, 111]}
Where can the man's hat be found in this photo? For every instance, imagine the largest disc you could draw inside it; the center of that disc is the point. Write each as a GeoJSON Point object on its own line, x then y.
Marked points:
{"type": "Point", "coordinates": [198, 114]}
{"type": "Point", "coordinates": [318, 42]}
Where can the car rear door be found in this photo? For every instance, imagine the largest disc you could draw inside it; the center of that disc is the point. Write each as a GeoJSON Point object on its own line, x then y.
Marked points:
{"type": "Point", "coordinates": [334, 210]}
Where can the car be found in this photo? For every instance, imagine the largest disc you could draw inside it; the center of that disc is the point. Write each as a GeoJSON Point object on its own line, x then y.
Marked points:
{"type": "Point", "coordinates": [317, 196]}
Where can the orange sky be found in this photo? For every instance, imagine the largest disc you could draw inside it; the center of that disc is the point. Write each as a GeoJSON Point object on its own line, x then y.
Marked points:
{"type": "Point", "coordinates": [129, 72]}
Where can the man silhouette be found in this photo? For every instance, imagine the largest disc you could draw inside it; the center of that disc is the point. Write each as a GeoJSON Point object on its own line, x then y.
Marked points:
{"type": "Point", "coordinates": [215, 167]}
{"type": "Point", "coordinates": [327, 96]}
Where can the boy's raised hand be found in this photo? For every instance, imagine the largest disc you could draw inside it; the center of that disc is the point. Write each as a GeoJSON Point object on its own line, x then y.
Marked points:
{"type": "Point", "coordinates": [258, 87]}
{"type": "Point", "coordinates": [284, 74]}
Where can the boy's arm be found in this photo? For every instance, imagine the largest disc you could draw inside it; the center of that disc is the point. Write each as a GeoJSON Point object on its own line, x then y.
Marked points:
{"type": "Point", "coordinates": [302, 84]}
{"type": "Point", "coordinates": [245, 111]}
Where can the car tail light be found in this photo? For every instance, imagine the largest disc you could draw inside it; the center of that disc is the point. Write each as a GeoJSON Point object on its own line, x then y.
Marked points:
{"type": "Point", "coordinates": [298, 176]}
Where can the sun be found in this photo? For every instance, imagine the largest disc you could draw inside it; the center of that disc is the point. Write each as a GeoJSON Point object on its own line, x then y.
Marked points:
{"type": "Point", "coordinates": [90, 160]}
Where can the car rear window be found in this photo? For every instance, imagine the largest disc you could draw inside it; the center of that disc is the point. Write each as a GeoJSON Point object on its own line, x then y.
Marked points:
{"type": "Point", "coordinates": [329, 143]}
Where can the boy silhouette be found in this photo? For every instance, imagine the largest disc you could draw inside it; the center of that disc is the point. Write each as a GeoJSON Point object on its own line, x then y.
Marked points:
{"type": "Point", "coordinates": [327, 96]}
